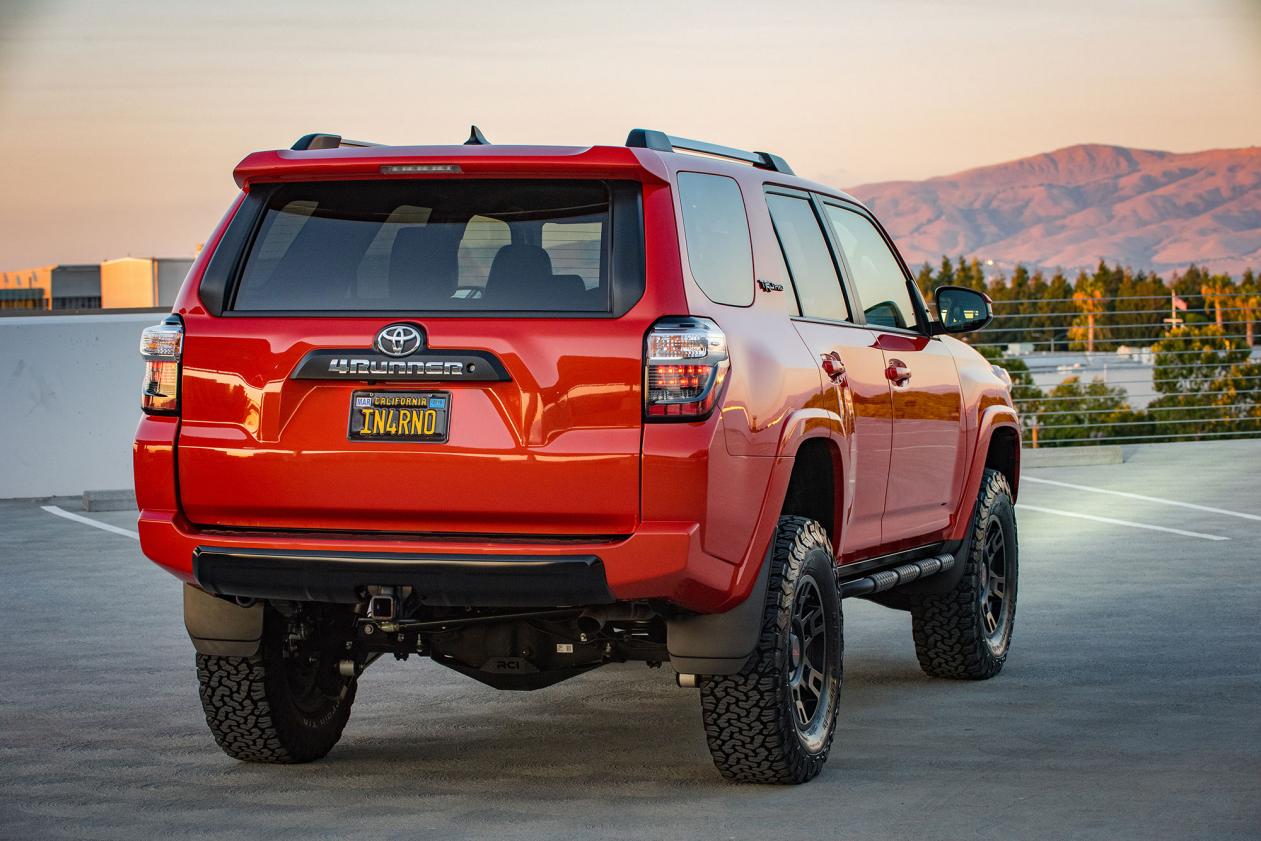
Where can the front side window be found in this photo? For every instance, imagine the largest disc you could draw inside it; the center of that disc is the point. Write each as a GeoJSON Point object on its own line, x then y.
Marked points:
{"type": "Point", "coordinates": [434, 245]}
{"type": "Point", "coordinates": [716, 231]}
{"type": "Point", "coordinates": [878, 279]}
{"type": "Point", "coordinates": [809, 259]}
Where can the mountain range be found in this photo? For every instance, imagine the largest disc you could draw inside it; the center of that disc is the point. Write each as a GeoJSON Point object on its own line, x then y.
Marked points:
{"type": "Point", "coordinates": [1072, 207]}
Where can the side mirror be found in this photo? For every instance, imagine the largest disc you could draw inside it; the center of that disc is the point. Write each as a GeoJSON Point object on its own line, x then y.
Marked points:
{"type": "Point", "coordinates": [962, 310]}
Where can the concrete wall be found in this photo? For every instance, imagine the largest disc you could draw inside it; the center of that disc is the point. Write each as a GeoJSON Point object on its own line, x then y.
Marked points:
{"type": "Point", "coordinates": [70, 402]}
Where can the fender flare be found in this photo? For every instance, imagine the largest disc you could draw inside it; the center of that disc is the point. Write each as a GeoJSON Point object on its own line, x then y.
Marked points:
{"type": "Point", "coordinates": [998, 416]}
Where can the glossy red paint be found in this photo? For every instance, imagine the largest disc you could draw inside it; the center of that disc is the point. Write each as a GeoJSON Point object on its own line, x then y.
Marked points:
{"type": "Point", "coordinates": [676, 511]}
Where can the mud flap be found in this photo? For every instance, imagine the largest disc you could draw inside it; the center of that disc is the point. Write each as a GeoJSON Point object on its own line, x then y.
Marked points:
{"type": "Point", "coordinates": [719, 643]}
{"type": "Point", "coordinates": [220, 627]}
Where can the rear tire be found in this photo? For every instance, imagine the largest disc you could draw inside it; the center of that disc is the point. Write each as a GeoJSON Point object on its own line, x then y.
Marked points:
{"type": "Point", "coordinates": [966, 633]}
{"type": "Point", "coordinates": [286, 703]}
{"type": "Point", "coordinates": [775, 720]}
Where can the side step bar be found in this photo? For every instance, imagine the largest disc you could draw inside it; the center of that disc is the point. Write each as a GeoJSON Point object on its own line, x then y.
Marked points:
{"type": "Point", "coordinates": [887, 579]}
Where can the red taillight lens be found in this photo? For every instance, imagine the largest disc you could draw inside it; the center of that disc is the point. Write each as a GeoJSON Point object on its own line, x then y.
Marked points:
{"type": "Point", "coordinates": [685, 363]}
{"type": "Point", "coordinates": [161, 347]}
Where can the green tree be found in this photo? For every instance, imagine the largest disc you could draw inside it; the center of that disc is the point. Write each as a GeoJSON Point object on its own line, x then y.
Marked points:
{"type": "Point", "coordinates": [1247, 305]}
{"type": "Point", "coordinates": [1218, 290]}
{"type": "Point", "coordinates": [1207, 382]}
{"type": "Point", "coordinates": [1090, 297]}
{"type": "Point", "coordinates": [1075, 414]}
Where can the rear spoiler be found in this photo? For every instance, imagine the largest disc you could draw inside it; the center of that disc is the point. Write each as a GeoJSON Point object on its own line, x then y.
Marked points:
{"type": "Point", "coordinates": [348, 159]}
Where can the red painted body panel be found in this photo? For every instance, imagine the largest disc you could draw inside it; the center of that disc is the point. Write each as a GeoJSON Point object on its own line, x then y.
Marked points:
{"type": "Point", "coordinates": [677, 511]}
{"type": "Point", "coordinates": [926, 470]}
{"type": "Point", "coordinates": [860, 422]}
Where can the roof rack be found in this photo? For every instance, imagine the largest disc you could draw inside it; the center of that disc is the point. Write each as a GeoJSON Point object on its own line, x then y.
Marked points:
{"type": "Point", "coordinates": [644, 138]}
{"type": "Point", "coordinates": [319, 140]}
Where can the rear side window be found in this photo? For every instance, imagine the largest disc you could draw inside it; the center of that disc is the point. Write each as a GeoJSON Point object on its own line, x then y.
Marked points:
{"type": "Point", "coordinates": [882, 287]}
{"type": "Point", "coordinates": [716, 231]}
{"type": "Point", "coordinates": [430, 245]}
{"type": "Point", "coordinates": [809, 258]}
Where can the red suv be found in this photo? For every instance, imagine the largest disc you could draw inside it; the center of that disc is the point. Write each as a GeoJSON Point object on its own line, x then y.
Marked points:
{"type": "Point", "coordinates": [528, 410]}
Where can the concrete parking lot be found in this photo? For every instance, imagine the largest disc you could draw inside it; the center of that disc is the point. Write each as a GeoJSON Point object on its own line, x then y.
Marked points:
{"type": "Point", "coordinates": [1129, 707]}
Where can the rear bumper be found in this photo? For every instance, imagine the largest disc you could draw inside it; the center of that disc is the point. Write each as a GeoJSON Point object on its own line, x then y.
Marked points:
{"type": "Point", "coordinates": [659, 561]}
{"type": "Point", "coordinates": [446, 579]}
{"type": "Point", "coordinates": [708, 570]}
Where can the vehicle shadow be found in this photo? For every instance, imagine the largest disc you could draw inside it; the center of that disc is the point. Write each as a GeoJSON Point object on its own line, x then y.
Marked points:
{"type": "Point", "coordinates": [616, 727]}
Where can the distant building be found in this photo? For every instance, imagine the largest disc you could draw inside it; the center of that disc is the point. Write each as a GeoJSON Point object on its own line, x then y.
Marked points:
{"type": "Point", "coordinates": [142, 281]}
{"type": "Point", "coordinates": [58, 287]}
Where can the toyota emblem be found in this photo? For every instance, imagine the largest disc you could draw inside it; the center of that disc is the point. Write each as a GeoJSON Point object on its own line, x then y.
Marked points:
{"type": "Point", "coordinates": [399, 340]}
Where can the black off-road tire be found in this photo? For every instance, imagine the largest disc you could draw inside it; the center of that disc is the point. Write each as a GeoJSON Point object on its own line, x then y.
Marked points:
{"type": "Point", "coordinates": [752, 718]}
{"type": "Point", "coordinates": [959, 634]}
{"type": "Point", "coordinates": [254, 711]}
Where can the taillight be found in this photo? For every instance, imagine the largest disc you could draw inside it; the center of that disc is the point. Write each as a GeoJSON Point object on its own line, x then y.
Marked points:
{"type": "Point", "coordinates": [161, 347]}
{"type": "Point", "coordinates": [685, 363]}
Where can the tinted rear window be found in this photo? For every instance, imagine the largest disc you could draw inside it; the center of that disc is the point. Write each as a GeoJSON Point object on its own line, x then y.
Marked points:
{"type": "Point", "coordinates": [436, 245]}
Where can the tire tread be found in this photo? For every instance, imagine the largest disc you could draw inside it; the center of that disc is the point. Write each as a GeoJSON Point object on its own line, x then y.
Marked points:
{"type": "Point", "coordinates": [947, 627]}
{"type": "Point", "coordinates": [750, 738]}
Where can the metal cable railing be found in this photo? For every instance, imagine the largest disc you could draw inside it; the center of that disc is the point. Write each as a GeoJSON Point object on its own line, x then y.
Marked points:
{"type": "Point", "coordinates": [1130, 370]}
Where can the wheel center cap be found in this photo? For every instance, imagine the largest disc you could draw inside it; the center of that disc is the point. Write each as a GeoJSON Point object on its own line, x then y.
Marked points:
{"type": "Point", "coordinates": [794, 650]}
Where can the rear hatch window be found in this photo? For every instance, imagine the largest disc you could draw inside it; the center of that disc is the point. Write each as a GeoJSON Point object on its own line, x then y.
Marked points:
{"type": "Point", "coordinates": [457, 246]}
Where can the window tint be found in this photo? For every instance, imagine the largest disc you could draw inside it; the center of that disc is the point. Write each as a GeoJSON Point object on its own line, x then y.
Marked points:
{"type": "Point", "coordinates": [482, 239]}
{"type": "Point", "coordinates": [576, 248]}
{"type": "Point", "coordinates": [878, 279]}
{"type": "Point", "coordinates": [717, 234]}
{"type": "Point", "coordinates": [809, 260]}
{"type": "Point", "coordinates": [430, 245]}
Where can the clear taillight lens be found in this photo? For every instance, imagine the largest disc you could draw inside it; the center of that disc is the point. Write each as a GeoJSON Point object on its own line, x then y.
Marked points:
{"type": "Point", "coordinates": [161, 347]}
{"type": "Point", "coordinates": [685, 364]}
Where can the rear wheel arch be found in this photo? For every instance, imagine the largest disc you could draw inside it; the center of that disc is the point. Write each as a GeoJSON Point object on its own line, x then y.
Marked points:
{"type": "Point", "coordinates": [814, 489]}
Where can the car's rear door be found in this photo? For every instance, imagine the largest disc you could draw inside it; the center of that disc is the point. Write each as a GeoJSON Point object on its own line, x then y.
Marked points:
{"type": "Point", "coordinates": [307, 404]}
{"type": "Point", "coordinates": [926, 468]}
{"type": "Point", "coordinates": [851, 366]}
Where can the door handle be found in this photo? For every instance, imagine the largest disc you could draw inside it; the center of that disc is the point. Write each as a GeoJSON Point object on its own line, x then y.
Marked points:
{"type": "Point", "coordinates": [833, 367]}
{"type": "Point", "coordinates": [897, 372]}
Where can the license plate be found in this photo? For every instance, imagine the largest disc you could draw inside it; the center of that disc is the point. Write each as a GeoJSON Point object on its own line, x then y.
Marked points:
{"type": "Point", "coordinates": [399, 416]}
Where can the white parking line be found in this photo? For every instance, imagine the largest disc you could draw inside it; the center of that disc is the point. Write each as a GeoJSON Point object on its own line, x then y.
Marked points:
{"type": "Point", "coordinates": [87, 521]}
{"type": "Point", "coordinates": [1113, 522]}
{"type": "Point", "coordinates": [1176, 502]}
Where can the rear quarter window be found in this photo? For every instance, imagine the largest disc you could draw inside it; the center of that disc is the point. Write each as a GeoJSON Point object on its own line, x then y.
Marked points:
{"type": "Point", "coordinates": [716, 235]}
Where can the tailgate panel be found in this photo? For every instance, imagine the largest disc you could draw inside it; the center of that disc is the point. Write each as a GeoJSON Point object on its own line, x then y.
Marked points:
{"type": "Point", "coordinates": [553, 450]}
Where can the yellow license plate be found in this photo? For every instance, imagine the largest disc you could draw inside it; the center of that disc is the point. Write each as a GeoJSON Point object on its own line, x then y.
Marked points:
{"type": "Point", "coordinates": [399, 416]}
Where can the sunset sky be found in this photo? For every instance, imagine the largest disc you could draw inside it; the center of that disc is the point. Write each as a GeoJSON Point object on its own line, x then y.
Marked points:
{"type": "Point", "coordinates": [123, 119]}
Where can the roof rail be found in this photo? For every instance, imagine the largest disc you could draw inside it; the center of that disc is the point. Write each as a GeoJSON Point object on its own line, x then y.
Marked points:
{"type": "Point", "coordinates": [644, 138]}
{"type": "Point", "coordinates": [319, 140]}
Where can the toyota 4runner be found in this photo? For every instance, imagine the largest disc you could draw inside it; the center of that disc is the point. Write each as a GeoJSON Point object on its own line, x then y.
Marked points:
{"type": "Point", "coordinates": [529, 410]}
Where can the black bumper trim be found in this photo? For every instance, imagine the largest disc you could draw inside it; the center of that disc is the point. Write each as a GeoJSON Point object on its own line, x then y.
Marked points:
{"type": "Point", "coordinates": [444, 580]}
